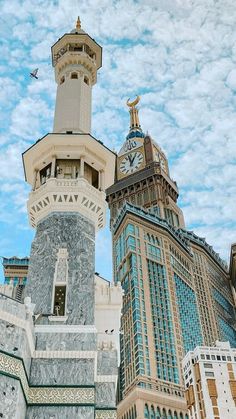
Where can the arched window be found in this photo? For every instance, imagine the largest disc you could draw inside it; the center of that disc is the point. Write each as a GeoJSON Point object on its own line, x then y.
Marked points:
{"type": "Point", "coordinates": [164, 414]}
{"type": "Point", "coordinates": [181, 416]}
{"type": "Point", "coordinates": [158, 413]}
{"type": "Point", "coordinates": [152, 412]}
{"type": "Point", "coordinates": [132, 413]}
{"type": "Point", "coordinates": [135, 412]}
{"type": "Point", "coordinates": [62, 79]}
{"type": "Point", "coordinates": [86, 80]}
{"type": "Point", "coordinates": [74, 76]}
{"type": "Point", "coordinates": [175, 415]}
{"type": "Point", "coordinates": [186, 416]}
{"type": "Point", "coordinates": [146, 412]}
{"type": "Point", "coordinates": [170, 415]}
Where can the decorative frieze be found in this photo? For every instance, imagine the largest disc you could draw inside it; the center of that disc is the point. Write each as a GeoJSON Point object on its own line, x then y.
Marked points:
{"type": "Point", "coordinates": [67, 195]}
{"type": "Point", "coordinates": [60, 395]}
{"type": "Point", "coordinates": [105, 414]}
{"type": "Point", "coordinates": [45, 395]}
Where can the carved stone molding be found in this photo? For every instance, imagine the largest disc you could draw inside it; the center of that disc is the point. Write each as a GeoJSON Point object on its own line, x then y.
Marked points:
{"type": "Point", "coordinates": [67, 195]}
{"type": "Point", "coordinates": [105, 414]}
{"type": "Point", "coordinates": [12, 366]}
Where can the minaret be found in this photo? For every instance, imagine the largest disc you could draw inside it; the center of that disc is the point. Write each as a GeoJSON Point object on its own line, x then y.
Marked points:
{"type": "Point", "coordinates": [69, 171]}
{"type": "Point", "coordinates": [76, 57]}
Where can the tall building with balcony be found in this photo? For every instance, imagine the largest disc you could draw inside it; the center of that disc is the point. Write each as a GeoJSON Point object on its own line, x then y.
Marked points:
{"type": "Point", "coordinates": [15, 276]}
{"type": "Point", "coordinates": [54, 363]}
{"type": "Point", "coordinates": [177, 290]}
{"type": "Point", "coordinates": [210, 381]}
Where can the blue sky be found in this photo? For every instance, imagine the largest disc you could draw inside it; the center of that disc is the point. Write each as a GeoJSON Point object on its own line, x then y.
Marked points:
{"type": "Point", "coordinates": [179, 55]}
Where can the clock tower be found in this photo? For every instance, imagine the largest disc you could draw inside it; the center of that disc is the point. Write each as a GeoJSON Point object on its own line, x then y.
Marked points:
{"type": "Point", "coordinates": [142, 175]}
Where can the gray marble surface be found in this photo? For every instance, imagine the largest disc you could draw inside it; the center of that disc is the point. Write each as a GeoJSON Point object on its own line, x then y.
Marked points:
{"type": "Point", "coordinates": [12, 402]}
{"type": "Point", "coordinates": [75, 233]}
{"type": "Point", "coordinates": [12, 306]}
{"type": "Point", "coordinates": [62, 372]}
{"type": "Point", "coordinates": [13, 340]}
{"type": "Point", "coordinates": [107, 363]}
{"type": "Point", "coordinates": [66, 341]}
{"type": "Point", "coordinates": [60, 412]}
{"type": "Point", "coordinates": [105, 394]}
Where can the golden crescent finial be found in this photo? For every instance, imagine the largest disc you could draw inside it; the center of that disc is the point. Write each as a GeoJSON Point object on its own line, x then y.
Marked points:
{"type": "Point", "coordinates": [78, 23]}
{"type": "Point", "coordinates": [134, 103]}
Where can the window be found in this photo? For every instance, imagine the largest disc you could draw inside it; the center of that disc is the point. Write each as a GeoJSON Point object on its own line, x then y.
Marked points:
{"type": "Point", "coordinates": [45, 173]}
{"type": "Point", "coordinates": [86, 80]}
{"type": "Point", "coordinates": [62, 79]}
{"type": "Point", "coordinates": [59, 300]}
{"type": "Point", "coordinates": [209, 374]}
{"type": "Point", "coordinates": [207, 365]}
{"type": "Point", "coordinates": [146, 412]}
{"type": "Point", "coordinates": [74, 76]}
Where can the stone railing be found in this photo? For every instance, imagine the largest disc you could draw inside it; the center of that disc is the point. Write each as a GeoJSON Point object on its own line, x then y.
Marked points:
{"type": "Point", "coordinates": [67, 195]}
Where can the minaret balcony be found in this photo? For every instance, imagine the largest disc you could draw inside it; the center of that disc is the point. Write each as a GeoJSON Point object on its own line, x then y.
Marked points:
{"type": "Point", "coordinates": [67, 195]}
{"type": "Point", "coordinates": [71, 59]}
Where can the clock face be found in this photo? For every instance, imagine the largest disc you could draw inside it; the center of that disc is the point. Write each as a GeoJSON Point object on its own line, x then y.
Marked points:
{"type": "Point", "coordinates": [161, 160]}
{"type": "Point", "coordinates": [131, 162]}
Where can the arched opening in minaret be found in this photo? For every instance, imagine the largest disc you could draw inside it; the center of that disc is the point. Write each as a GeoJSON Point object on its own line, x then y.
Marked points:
{"type": "Point", "coordinates": [91, 175]}
{"type": "Point", "coordinates": [62, 79]}
{"type": "Point", "coordinates": [86, 80]}
{"type": "Point", "coordinates": [59, 300]}
{"type": "Point", "coordinates": [74, 76]}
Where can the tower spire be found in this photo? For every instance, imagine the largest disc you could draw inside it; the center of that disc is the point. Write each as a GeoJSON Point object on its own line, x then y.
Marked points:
{"type": "Point", "coordinates": [78, 24]}
{"type": "Point", "coordinates": [134, 118]}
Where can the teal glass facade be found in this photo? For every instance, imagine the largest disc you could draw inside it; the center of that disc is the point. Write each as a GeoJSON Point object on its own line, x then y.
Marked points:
{"type": "Point", "coordinates": [166, 359]}
{"type": "Point", "coordinates": [224, 303]}
{"type": "Point", "coordinates": [188, 313]}
{"type": "Point", "coordinates": [227, 332]}
{"type": "Point", "coordinates": [134, 342]}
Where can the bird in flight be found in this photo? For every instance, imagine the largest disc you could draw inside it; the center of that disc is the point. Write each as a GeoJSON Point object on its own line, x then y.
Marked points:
{"type": "Point", "coordinates": [34, 73]}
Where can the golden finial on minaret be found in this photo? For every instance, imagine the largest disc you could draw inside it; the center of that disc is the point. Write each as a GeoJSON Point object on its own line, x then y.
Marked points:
{"type": "Point", "coordinates": [134, 119]}
{"type": "Point", "coordinates": [78, 24]}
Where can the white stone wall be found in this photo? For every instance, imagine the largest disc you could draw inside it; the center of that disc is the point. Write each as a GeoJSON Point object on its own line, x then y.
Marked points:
{"type": "Point", "coordinates": [108, 304]}
{"type": "Point", "coordinates": [73, 105]}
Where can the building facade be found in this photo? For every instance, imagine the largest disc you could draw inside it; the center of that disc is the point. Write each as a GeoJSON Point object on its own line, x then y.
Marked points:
{"type": "Point", "coordinates": [53, 362]}
{"type": "Point", "coordinates": [177, 291]}
{"type": "Point", "coordinates": [15, 275]}
{"type": "Point", "coordinates": [210, 381]}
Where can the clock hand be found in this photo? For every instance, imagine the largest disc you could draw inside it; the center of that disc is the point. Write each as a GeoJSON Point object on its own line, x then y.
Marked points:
{"type": "Point", "coordinates": [131, 162]}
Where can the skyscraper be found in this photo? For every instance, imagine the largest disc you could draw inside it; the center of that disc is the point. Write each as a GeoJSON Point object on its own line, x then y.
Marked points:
{"type": "Point", "coordinates": [53, 364]}
{"type": "Point", "coordinates": [177, 291]}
